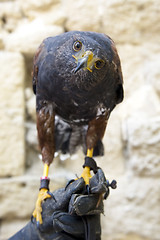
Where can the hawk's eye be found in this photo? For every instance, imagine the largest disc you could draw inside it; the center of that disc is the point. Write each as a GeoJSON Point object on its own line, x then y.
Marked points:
{"type": "Point", "coordinates": [77, 46]}
{"type": "Point", "coordinates": [99, 64]}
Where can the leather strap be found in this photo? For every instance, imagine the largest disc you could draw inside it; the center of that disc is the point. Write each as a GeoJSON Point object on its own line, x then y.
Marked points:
{"type": "Point", "coordinates": [90, 162]}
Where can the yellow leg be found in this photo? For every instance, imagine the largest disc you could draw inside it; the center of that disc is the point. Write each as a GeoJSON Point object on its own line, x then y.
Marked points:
{"type": "Point", "coordinates": [45, 170]}
{"type": "Point", "coordinates": [86, 171]}
{"type": "Point", "coordinates": [43, 194]}
{"type": "Point", "coordinates": [90, 152]}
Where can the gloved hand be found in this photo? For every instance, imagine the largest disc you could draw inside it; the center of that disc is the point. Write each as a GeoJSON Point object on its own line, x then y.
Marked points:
{"type": "Point", "coordinates": [71, 214]}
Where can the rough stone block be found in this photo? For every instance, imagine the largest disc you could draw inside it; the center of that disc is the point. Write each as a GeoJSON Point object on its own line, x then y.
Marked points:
{"type": "Point", "coordinates": [139, 16]}
{"type": "Point", "coordinates": [39, 6]}
{"type": "Point", "coordinates": [52, 15]}
{"type": "Point", "coordinates": [12, 148]}
{"type": "Point", "coordinates": [29, 35]}
{"type": "Point", "coordinates": [142, 137]}
{"type": "Point", "coordinates": [143, 103]}
{"type": "Point", "coordinates": [10, 15]}
{"type": "Point", "coordinates": [110, 17]}
{"type": "Point", "coordinates": [140, 66]}
{"type": "Point", "coordinates": [82, 15]}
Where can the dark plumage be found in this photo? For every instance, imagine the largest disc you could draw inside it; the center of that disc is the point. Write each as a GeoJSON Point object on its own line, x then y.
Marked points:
{"type": "Point", "coordinates": [77, 76]}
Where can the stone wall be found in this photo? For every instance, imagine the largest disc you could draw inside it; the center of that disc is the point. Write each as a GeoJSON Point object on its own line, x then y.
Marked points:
{"type": "Point", "coordinates": [132, 139]}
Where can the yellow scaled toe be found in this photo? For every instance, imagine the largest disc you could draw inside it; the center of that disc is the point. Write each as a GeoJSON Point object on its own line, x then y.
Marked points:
{"type": "Point", "coordinates": [37, 213]}
{"type": "Point", "coordinates": [86, 175]}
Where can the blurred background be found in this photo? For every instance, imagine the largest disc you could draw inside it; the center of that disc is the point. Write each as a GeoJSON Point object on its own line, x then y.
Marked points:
{"type": "Point", "coordinates": [132, 139]}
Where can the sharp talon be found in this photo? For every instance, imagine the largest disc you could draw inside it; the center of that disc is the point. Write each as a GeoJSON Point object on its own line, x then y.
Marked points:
{"type": "Point", "coordinates": [88, 189]}
{"type": "Point", "coordinates": [69, 182]}
{"type": "Point", "coordinates": [38, 224]}
{"type": "Point", "coordinates": [51, 194]}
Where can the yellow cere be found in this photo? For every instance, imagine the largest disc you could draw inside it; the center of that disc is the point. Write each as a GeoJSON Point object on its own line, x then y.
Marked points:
{"type": "Point", "coordinates": [82, 54]}
{"type": "Point", "coordinates": [90, 61]}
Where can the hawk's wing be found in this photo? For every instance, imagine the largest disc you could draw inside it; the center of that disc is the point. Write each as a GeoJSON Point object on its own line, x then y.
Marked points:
{"type": "Point", "coordinates": [39, 55]}
{"type": "Point", "coordinates": [118, 72]}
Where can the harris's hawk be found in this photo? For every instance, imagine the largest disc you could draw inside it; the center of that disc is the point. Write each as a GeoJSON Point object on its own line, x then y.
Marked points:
{"type": "Point", "coordinates": [76, 76]}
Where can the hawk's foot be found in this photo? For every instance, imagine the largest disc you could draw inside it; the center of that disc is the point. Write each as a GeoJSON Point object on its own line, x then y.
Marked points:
{"type": "Point", "coordinates": [37, 213]}
{"type": "Point", "coordinates": [86, 175]}
{"type": "Point", "coordinates": [43, 194]}
{"type": "Point", "coordinates": [89, 164]}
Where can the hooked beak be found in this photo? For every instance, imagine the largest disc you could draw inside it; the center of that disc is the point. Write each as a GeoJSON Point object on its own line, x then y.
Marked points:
{"type": "Point", "coordinates": [84, 61]}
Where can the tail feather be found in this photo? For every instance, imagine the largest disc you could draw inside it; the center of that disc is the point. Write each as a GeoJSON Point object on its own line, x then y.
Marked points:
{"type": "Point", "coordinates": [68, 138]}
{"type": "Point", "coordinates": [62, 135]}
